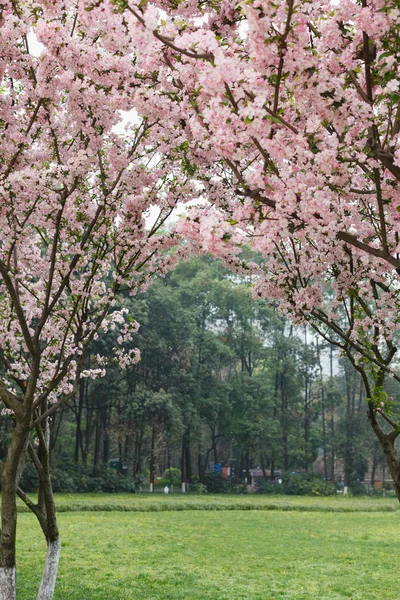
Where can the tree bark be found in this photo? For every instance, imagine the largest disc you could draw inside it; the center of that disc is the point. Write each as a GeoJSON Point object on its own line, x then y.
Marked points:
{"type": "Point", "coordinates": [214, 443]}
{"type": "Point", "coordinates": [7, 583]}
{"type": "Point", "coordinates": [306, 420]}
{"type": "Point", "coordinates": [348, 462]}
{"type": "Point", "coordinates": [49, 577]}
{"type": "Point", "coordinates": [374, 463]}
{"type": "Point", "coordinates": [9, 481]}
{"type": "Point", "coordinates": [78, 417]}
{"type": "Point", "coordinates": [324, 442]}
{"type": "Point", "coordinates": [152, 457]}
{"type": "Point", "coordinates": [188, 466]}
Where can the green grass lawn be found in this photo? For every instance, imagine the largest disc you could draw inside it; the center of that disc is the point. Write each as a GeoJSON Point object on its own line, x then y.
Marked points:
{"type": "Point", "coordinates": [215, 555]}
{"type": "Point", "coordinates": [161, 502]}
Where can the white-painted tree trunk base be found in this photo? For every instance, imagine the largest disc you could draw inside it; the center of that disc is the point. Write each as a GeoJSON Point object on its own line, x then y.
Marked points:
{"type": "Point", "coordinates": [7, 584]}
{"type": "Point", "coordinates": [46, 591]}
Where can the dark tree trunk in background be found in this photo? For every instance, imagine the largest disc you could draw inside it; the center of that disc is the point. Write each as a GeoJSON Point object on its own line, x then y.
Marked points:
{"type": "Point", "coordinates": [106, 434]}
{"type": "Point", "coordinates": [332, 417]}
{"type": "Point", "coordinates": [374, 464]}
{"type": "Point", "coordinates": [214, 443]}
{"type": "Point", "coordinates": [78, 417]}
{"type": "Point", "coordinates": [307, 418]}
{"type": "Point", "coordinates": [263, 467]}
{"type": "Point", "coordinates": [183, 463]}
{"type": "Point", "coordinates": [350, 396]}
{"type": "Point", "coordinates": [55, 430]}
{"type": "Point", "coordinates": [272, 469]}
{"type": "Point", "coordinates": [138, 457]}
{"type": "Point", "coordinates": [323, 415]}
{"type": "Point", "coordinates": [200, 467]}
{"type": "Point", "coordinates": [188, 466]}
{"type": "Point", "coordinates": [284, 423]}
{"type": "Point", "coordinates": [186, 460]}
{"type": "Point", "coordinates": [248, 476]}
{"type": "Point", "coordinates": [152, 456]}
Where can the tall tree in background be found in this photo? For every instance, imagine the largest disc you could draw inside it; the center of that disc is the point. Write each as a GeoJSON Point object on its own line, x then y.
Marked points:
{"type": "Point", "coordinates": [191, 400]}
{"type": "Point", "coordinates": [233, 369]}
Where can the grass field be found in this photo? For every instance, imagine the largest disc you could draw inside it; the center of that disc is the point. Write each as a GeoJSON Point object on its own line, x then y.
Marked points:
{"type": "Point", "coordinates": [213, 555]}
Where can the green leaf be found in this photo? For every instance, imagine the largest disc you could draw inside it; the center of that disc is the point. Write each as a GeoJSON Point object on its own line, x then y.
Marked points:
{"type": "Point", "coordinates": [273, 119]}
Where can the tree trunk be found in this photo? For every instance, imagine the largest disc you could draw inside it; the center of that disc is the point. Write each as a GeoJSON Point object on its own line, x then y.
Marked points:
{"type": "Point", "coordinates": [188, 466]}
{"type": "Point", "coordinates": [183, 463]}
{"type": "Point", "coordinates": [332, 416]}
{"type": "Point", "coordinates": [284, 423]}
{"type": "Point", "coordinates": [324, 441]}
{"type": "Point", "coordinates": [248, 476]}
{"type": "Point", "coordinates": [348, 466]}
{"type": "Point", "coordinates": [97, 444]}
{"type": "Point", "coordinates": [374, 463]}
{"type": "Point", "coordinates": [392, 459]}
{"type": "Point", "coordinates": [78, 417]}
{"type": "Point", "coordinates": [263, 468]}
{"type": "Point", "coordinates": [128, 456]}
{"type": "Point", "coordinates": [306, 421]}
{"type": "Point", "coordinates": [200, 467]}
{"type": "Point", "coordinates": [106, 435]}
{"type": "Point", "coordinates": [214, 443]}
{"type": "Point", "coordinates": [49, 577]}
{"type": "Point", "coordinates": [7, 583]}
{"type": "Point", "coordinates": [9, 481]}
{"type": "Point", "coordinates": [152, 458]}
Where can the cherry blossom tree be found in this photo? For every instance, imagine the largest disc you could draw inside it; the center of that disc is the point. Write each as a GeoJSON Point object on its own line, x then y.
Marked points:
{"type": "Point", "coordinates": [291, 114]}
{"type": "Point", "coordinates": [83, 206]}
{"type": "Point", "coordinates": [284, 116]}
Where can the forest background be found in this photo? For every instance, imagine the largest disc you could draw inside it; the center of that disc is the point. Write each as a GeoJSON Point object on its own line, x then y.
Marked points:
{"type": "Point", "coordinates": [223, 379]}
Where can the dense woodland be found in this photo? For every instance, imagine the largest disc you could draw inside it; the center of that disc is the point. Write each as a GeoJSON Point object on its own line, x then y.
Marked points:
{"type": "Point", "coordinates": [223, 379]}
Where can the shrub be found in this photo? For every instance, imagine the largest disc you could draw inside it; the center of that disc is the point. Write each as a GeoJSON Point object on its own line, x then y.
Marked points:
{"type": "Point", "coordinates": [198, 488]}
{"type": "Point", "coordinates": [216, 484]}
{"type": "Point", "coordinates": [307, 484]}
{"type": "Point", "coordinates": [269, 487]}
{"type": "Point", "coordinates": [357, 488]}
{"type": "Point", "coordinates": [171, 476]}
{"type": "Point", "coordinates": [70, 477]}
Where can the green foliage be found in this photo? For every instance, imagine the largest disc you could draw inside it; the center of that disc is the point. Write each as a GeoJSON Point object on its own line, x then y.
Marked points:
{"type": "Point", "coordinates": [29, 479]}
{"type": "Point", "coordinates": [169, 482]}
{"type": "Point", "coordinates": [70, 478]}
{"type": "Point", "coordinates": [299, 484]}
{"type": "Point", "coordinates": [307, 484]}
{"type": "Point", "coordinates": [219, 371]}
{"type": "Point", "coordinates": [269, 487]}
{"type": "Point", "coordinates": [216, 484]}
{"type": "Point", "coordinates": [357, 488]}
{"type": "Point", "coordinates": [171, 476]}
{"type": "Point", "coordinates": [198, 488]}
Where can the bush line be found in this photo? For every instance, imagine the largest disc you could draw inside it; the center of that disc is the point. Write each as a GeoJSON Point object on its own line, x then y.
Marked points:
{"type": "Point", "coordinates": [212, 507]}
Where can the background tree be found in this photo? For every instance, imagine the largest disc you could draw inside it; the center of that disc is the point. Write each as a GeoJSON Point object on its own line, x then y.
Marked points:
{"type": "Point", "coordinates": [199, 323]}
